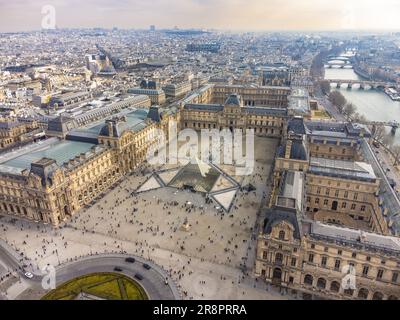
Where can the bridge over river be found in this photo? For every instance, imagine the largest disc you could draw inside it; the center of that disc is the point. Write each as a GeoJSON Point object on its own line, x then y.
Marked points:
{"type": "Point", "coordinates": [361, 83]}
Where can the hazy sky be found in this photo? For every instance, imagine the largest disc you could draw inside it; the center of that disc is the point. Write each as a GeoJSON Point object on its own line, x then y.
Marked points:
{"type": "Point", "coordinates": [17, 15]}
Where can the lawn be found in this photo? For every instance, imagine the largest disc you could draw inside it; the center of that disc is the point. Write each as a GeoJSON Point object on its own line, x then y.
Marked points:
{"type": "Point", "coordinates": [109, 286]}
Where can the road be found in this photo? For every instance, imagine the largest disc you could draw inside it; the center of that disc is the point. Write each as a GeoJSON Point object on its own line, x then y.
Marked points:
{"type": "Point", "coordinates": [8, 263]}
{"type": "Point", "coordinates": [153, 280]}
{"type": "Point", "coordinates": [8, 260]}
{"type": "Point", "coordinates": [329, 107]}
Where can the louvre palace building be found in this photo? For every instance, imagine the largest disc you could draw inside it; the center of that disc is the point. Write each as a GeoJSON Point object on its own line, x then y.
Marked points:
{"type": "Point", "coordinates": [325, 220]}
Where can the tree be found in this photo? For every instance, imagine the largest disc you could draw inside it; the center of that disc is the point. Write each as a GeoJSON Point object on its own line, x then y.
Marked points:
{"type": "Point", "coordinates": [325, 86]}
{"type": "Point", "coordinates": [337, 99]}
{"type": "Point", "coordinates": [387, 140]}
{"type": "Point", "coordinates": [396, 153]}
{"type": "Point", "coordinates": [378, 132]}
{"type": "Point", "coordinates": [350, 109]}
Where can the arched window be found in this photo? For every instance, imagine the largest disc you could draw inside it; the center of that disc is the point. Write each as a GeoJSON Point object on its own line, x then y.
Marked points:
{"type": "Point", "coordinates": [335, 286]}
{"type": "Point", "coordinates": [377, 296]}
{"type": "Point", "coordinates": [321, 283]}
{"type": "Point", "coordinates": [308, 279]}
{"type": "Point", "coordinates": [278, 258]}
{"type": "Point", "coordinates": [363, 293]}
{"type": "Point", "coordinates": [281, 235]}
{"type": "Point", "coordinates": [348, 292]}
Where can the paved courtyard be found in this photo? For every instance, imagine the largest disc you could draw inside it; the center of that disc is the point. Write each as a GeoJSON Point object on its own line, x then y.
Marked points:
{"type": "Point", "coordinates": [205, 259]}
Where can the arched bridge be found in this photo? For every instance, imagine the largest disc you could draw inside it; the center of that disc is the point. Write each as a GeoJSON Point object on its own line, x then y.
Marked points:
{"type": "Point", "coordinates": [361, 83]}
{"type": "Point", "coordinates": [341, 58]}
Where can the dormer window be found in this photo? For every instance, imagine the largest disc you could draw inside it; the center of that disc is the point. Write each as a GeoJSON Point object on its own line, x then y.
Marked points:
{"type": "Point", "coordinates": [281, 235]}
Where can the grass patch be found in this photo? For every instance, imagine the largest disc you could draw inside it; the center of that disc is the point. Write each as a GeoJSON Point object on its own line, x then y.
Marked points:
{"type": "Point", "coordinates": [109, 286]}
{"type": "Point", "coordinates": [320, 114]}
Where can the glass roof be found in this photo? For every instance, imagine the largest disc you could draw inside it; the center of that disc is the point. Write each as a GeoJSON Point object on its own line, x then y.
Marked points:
{"type": "Point", "coordinates": [61, 151]}
{"type": "Point", "coordinates": [133, 118]}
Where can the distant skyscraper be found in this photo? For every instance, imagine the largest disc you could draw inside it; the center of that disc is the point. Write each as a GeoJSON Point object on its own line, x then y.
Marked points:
{"type": "Point", "coordinates": [152, 28]}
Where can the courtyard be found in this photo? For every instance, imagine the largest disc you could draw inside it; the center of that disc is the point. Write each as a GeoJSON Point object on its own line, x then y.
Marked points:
{"type": "Point", "coordinates": [205, 250]}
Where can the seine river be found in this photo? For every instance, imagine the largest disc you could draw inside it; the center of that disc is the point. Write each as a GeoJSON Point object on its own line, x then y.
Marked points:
{"type": "Point", "coordinates": [373, 104]}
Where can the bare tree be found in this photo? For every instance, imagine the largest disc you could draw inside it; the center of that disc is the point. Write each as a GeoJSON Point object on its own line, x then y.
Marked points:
{"type": "Point", "coordinates": [387, 140]}
{"type": "Point", "coordinates": [349, 109]}
{"type": "Point", "coordinates": [325, 86]}
{"type": "Point", "coordinates": [337, 99]}
{"type": "Point", "coordinates": [378, 132]}
{"type": "Point", "coordinates": [396, 153]}
{"type": "Point", "coordinates": [359, 117]}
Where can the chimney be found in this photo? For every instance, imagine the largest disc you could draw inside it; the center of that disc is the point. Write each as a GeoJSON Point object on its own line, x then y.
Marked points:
{"type": "Point", "coordinates": [288, 149]}
{"type": "Point", "coordinates": [110, 128]}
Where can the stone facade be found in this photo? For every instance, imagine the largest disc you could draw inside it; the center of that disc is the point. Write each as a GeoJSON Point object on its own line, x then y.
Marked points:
{"type": "Point", "coordinates": [335, 231]}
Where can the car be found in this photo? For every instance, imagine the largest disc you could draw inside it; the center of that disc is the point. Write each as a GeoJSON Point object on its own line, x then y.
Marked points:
{"type": "Point", "coordinates": [119, 269]}
{"type": "Point", "coordinates": [146, 266]}
{"type": "Point", "coordinates": [138, 276]}
{"type": "Point", "coordinates": [166, 281]}
{"type": "Point", "coordinates": [130, 260]}
{"type": "Point", "coordinates": [28, 275]}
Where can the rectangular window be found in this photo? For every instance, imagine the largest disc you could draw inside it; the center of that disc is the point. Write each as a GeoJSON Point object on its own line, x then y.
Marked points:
{"type": "Point", "coordinates": [311, 258]}
{"type": "Point", "coordinates": [317, 200]}
{"type": "Point", "coordinates": [265, 255]}
{"type": "Point", "coordinates": [337, 193]}
{"type": "Point", "coordinates": [325, 202]}
{"type": "Point", "coordinates": [395, 276]}
{"type": "Point", "coordinates": [353, 206]}
{"type": "Point", "coordinates": [365, 270]}
{"type": "Point", "coordinates": [337, 264]}
{"type": "Point", "coordinates": [323, 261]}
{"type": "Point", "coordinates": [362, 208]}
{"type": "Point", "coordinates": [380, 274]}
{"type": "Point", "coordinates": [293, 262]}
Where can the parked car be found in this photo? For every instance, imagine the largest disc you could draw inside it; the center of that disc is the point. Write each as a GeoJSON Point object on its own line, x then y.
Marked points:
{"type": "Point", "coordinates": [28, 275]}
{"type": "Point", "coordinates": [130, 260]}
{"type": "Point", "coordinates": [119, 269]}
